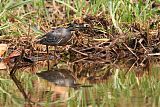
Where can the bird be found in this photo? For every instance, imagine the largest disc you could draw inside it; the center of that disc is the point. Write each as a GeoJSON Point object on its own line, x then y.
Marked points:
{"type": "Point", "coordinates": [59, 36]}
{"type": "Point", "coordinates": [61, 77]}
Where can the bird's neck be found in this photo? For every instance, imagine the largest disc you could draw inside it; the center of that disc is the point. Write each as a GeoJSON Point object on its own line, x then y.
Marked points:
{"type": "Point", "coordinates": [70, 28]}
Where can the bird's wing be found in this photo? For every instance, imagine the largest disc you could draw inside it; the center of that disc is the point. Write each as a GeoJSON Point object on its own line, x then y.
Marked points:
{"type": "Point", "coordinates": [58, 34]}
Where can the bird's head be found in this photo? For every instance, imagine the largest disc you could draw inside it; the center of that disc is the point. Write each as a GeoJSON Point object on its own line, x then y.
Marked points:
{"type": "Point", "coordinates": [73, 26]}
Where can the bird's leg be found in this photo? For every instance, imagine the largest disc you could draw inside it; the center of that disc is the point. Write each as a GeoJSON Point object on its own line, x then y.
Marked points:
{"type": "Point", "coordinates": [47, 56]}
{"type": "Point", "coordinates": [55, 56]}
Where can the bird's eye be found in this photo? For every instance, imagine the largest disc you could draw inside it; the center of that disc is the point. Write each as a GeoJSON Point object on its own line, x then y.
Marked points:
{"type": "Point", "coordinates": [86, 25]}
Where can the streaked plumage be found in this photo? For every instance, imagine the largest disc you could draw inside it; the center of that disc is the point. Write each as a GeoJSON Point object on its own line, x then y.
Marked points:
{"type": "Point", "coordinates": [57, 37]}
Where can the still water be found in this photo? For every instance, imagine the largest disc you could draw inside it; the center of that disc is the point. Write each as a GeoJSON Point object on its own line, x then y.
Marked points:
{"type": "Point", "coordinates": [80, 84]}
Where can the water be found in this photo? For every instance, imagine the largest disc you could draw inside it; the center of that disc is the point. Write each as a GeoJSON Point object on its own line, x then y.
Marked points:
{"type": "Point", "coordinates": [96, 84]}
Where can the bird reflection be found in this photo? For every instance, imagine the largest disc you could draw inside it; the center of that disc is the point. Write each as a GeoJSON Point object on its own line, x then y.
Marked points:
{"type": "Point", "coordinates": [60, 77]}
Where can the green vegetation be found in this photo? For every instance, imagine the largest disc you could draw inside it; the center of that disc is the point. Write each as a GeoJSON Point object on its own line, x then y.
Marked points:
{"type": "Point", "coordinates": [39, 15]}
{"type": "Point", "coordinates": [119, 91]}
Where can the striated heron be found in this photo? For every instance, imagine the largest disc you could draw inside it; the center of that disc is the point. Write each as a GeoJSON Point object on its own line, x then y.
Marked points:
{"type": "Point", "coordinates": [60, 36]}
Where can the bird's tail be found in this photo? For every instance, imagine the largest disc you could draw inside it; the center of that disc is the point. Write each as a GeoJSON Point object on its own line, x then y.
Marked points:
{"type": "Point", "coordinates": [39, 39]}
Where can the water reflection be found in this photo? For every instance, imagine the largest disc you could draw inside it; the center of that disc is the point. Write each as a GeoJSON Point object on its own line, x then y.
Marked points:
{"type": "Point", "coordinates": [21, 89]}
{"type": "Point", "coordinates": [61, 77]}
{"type": "Point", "coordinates": [66, 75]}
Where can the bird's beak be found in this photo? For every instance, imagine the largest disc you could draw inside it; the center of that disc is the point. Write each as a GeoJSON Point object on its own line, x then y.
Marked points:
{"type": "Point", "coordinates": [74, 26]}
{"type": "Point", "coordinates": [82, 26]}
